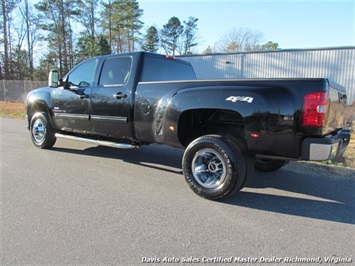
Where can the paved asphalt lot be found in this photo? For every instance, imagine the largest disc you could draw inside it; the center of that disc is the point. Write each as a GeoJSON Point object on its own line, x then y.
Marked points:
{"type": "Point", "coordinates": [80, 204]}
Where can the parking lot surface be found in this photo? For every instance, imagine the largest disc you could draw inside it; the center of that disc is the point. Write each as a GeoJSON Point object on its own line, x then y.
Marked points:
{"type": "Point", "coordinates": [81, 204]}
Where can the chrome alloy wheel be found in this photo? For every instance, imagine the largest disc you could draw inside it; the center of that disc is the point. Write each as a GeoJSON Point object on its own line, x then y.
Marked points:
{"type": "Point", "coordinates": [39, 131]}
{"type": "Point", "coordinates": [209, 168]}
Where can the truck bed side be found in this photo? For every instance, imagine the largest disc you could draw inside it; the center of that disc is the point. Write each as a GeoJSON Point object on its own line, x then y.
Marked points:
{"type": "Point", "coordinates": [267, 113]}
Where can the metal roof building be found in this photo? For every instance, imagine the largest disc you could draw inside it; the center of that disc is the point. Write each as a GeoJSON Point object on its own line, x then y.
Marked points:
{"type": "Point", "coordinates": [337, 64]}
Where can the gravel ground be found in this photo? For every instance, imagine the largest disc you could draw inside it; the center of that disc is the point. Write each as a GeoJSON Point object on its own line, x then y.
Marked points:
{"type": "Point", "coordinates": [323, 170]}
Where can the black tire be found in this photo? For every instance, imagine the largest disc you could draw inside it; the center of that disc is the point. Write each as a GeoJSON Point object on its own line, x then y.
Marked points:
{"type": "Point", "coordinates": [42, 134]}
{"type": "Point", "coordinates": [214, 166]}
{"type": "Point", "coordinates": [269, 165]}
{"type": "Point", "coordinates": [236, 144]}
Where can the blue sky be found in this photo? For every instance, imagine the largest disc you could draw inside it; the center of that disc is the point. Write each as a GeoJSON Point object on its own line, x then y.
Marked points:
{"type": "Point", "coordinates": [292, 24]}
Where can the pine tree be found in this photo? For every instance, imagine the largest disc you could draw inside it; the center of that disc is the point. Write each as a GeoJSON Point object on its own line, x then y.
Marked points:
{"type": "Point", "coordinates": [89, 46]}
{"type": "Point", "coordinates": [190, 34]}
{"type": "Point", "coordinates": [170, 35]}
{"type": "Point", "coordinates": [87, 15]}
{"type": "Point", "coordinates": [121, 21]}
{"type": "Point", "coordinates": [151, 40]}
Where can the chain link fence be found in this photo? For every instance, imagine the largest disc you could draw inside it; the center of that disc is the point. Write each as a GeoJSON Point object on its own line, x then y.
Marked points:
{"type": "Point", "coordinates": [16, 90]}
{"type": "Point", "coordinates": [350, 116]}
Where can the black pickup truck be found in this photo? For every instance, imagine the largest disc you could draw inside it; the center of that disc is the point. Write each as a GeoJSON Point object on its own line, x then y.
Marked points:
{"type": "Point", "coordinates": [227, 127]}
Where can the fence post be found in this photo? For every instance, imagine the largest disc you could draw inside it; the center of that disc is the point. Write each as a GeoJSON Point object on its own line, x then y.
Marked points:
{"type": "Point", "coordinates": [3, 89]}
{"type": "Point", "coordinates": [242, 65]}
{"type": "Point", "coordinates": [24, 89]}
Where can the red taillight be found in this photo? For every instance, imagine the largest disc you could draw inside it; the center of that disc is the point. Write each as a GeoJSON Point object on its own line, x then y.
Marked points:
{"type": "Point", "coordinates": [314, 109]}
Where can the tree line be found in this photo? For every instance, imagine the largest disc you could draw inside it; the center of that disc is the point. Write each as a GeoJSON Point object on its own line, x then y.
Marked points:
{"type": "Point", "coordinates": [61, 33]}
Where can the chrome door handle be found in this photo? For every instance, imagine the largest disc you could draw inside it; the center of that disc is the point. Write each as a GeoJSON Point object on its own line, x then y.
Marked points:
{"type": "Point", "coordinates": [120, 95]}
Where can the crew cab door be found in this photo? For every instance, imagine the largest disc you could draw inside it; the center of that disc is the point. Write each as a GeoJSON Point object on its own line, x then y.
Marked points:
{"type": "Point", "coordinates": [111, 98]}
{"type": "Point", "coordinates": [71, 103]}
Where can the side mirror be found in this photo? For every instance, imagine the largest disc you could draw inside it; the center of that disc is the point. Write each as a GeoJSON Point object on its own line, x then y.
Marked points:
{"type": "Point", "coordinates": [53, 78]}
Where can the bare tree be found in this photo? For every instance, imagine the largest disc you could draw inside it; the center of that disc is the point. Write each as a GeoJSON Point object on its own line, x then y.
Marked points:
{"type": "Point", "coordinates": [30, 20]}
{"type": "Point", "coordinates": [6, 8]}
{"type": "Point", "coordinates": [237, 40]}
{"type": "Point", "coordinates": [57, 16]}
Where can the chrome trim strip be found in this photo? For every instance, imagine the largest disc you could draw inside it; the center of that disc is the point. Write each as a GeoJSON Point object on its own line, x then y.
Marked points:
{"type": "Point", "coordinates": [70, 115]}
{"type": "Point", "coordinates": [120, 119]}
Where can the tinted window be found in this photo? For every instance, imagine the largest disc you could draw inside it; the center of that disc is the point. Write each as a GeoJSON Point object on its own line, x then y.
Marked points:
{"type": "Point", "coordinates": [116, 71]}
{"type": "Point", "coordinates": [161, 69]}
{"type": "Point", "coordinates": [83, 75]}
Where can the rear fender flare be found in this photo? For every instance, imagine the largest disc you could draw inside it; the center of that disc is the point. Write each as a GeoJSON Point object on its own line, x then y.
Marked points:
{"type": "Point", "coordinates": [200, 98]}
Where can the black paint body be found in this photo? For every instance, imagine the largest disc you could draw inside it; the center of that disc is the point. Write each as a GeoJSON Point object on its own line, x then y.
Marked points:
{"type": "Point", "coordinates": [265, 112]}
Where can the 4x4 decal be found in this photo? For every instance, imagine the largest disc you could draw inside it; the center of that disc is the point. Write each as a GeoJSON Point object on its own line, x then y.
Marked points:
{"type": "Point", "coordinates": [240, 99]}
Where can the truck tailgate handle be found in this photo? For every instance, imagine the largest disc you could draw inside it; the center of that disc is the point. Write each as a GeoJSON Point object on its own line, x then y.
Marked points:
{"type": "Point", "coordinates": [120, 95]}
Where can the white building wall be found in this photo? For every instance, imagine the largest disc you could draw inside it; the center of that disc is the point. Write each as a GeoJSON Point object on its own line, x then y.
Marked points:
{"type": "Point", "coordinates": [337, 64]}
{"type": "Point", "coordinates": [221, 66]}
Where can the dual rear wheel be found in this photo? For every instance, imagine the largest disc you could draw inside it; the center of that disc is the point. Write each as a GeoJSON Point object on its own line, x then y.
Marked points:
{"type": "Point", "coordinates": [216, 166]}
{"type": "Point", "coordinates": [269, 165]}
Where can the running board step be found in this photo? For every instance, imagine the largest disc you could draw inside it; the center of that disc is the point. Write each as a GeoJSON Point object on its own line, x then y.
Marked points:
{"type": "Point", "coordinates": [98, 142]}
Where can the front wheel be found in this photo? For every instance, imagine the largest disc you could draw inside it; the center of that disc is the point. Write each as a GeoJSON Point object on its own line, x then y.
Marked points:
{"type": "Point", "coordinates": [214, 166]}
{"type": "Point", "coordinates": [42, 134]}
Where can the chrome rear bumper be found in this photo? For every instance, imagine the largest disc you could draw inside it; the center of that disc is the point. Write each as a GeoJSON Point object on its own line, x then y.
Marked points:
{"type": "Point", "coordinates": [326, 148]}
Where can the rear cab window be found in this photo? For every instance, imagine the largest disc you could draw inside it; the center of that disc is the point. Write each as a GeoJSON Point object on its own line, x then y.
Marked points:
{"type": "Point", "coordinates": [161, 68]}
{"type": "Point", "coordinates": [116, 71]}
